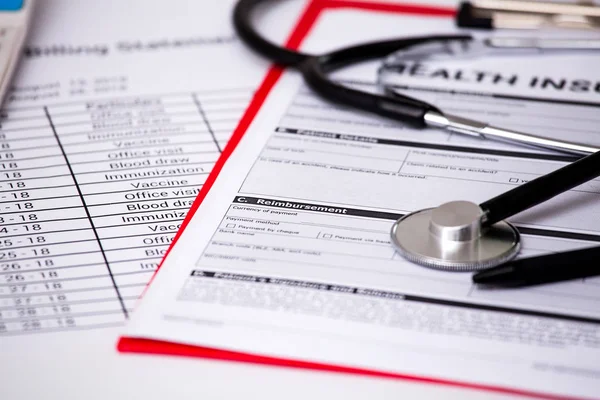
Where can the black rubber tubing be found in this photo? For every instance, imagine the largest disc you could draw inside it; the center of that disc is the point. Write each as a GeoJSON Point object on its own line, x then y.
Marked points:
{"type": "Point", "coordinates": [315, 68]}
{"type": "Point", "coordinates": [540, 189]}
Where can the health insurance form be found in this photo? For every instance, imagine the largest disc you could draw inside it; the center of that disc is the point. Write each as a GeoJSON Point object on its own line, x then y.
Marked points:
{"type": "Point", "coordinates": [289, 254]}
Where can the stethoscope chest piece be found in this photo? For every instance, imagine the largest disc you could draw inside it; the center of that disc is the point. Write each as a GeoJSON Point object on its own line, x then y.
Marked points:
{"type": "Point", "coordinates": [450, 237]}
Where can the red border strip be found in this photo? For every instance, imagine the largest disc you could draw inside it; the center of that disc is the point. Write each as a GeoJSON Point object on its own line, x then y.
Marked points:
{"type": "Point", "coordinates": [404, 8]}
{"type": "Point", "coordinates": [149, 346]}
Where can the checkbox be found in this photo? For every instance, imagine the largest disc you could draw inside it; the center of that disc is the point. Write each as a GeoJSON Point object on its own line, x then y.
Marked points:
{"type": "Point", "coordinates": [514, 180]}
{"type": "Point", "coordinates": [327, 236]}
{"type": "Point", "coordinates": [230, 226]}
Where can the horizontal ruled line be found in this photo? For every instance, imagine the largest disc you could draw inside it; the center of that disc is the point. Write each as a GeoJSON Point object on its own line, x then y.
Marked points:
{"type": "Point", "coordinates": [67, 291]}
{"type": "Point", "coordinates": [62, 329]}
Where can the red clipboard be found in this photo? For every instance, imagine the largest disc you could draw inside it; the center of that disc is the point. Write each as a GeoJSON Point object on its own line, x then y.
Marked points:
{"type": "Point", "coordinates": [302, 28]}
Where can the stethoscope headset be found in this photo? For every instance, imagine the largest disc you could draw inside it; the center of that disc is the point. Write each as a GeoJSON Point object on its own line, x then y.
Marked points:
{"type": "Point", "coordinates": [459, 235]}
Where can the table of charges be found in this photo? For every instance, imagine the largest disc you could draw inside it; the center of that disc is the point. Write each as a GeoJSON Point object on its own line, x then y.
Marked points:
{"type": "Point", "coordinates": [92, 194]}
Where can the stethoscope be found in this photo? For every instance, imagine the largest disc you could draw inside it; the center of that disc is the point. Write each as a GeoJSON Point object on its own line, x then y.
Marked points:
{"type": "Point", "coordinates": [459, 235]}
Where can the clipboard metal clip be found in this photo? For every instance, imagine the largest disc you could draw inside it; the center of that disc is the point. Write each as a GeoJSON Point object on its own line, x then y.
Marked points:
{"type": "Point", "coordinates": [517, 14]}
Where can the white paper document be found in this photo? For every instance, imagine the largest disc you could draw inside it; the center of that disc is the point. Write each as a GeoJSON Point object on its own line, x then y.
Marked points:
{"type": "Point", "coordinates": [117, 115]}
{"type": "Point", "coordinates": [105, 143]}
{"type": "Point", "coordinates": [289, 255]}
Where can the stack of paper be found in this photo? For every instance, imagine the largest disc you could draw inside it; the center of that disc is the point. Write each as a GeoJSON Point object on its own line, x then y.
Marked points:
{"type": "Point", "coordinates": [288, 261]}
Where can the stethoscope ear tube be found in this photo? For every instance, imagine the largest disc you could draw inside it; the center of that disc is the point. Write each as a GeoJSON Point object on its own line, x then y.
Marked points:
{"type": "Point", "coordinates": [315, 69]}
{"type": "Point", "coordinates": [540, 189]}
{"type": "Point", "coordinates": [242, 21]}
{"type": "Point", "coordinates": [409, 110]}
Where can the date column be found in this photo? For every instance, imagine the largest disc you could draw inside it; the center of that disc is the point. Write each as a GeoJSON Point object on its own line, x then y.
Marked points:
{"type": "Point", "coordinates": [52, 273]}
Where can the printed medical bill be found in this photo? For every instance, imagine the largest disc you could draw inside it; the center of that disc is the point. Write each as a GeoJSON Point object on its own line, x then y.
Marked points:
{"type": "Point", "coordinates": [118, 112]}
{"type": "Point", "coordinates": [289, 255]}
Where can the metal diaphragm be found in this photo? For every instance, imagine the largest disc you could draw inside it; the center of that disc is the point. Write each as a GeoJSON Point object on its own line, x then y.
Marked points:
{"type": "Point", "coordinates": [450, 238]}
